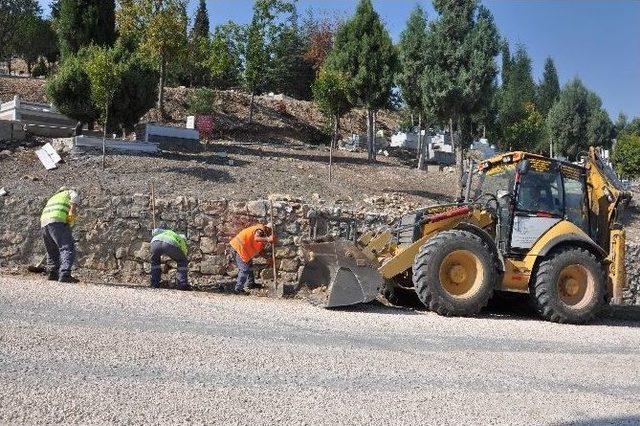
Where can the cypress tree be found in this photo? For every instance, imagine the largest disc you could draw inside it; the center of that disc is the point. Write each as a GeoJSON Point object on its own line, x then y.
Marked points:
{"type": "Point", "coordinates": [84, 22]}
{"type": "Point", "coordinates": [364, 54]}
{"type": "Point", "coordinates": [458, 80]}
{"type": "Point", "coordinates": [412, 64]}
{"type": "Point", "coordinates": [201, 22]}
{"type": "Point", "coordinates": [549, 88]}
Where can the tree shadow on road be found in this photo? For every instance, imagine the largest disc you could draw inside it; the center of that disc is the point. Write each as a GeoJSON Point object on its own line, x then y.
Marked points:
{"type": "Point", "coordinates": [623, 420]}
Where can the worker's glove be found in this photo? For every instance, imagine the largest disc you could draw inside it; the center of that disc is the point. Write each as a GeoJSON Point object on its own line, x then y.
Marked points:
{"type": "Point", "coordinates": [71, 220]}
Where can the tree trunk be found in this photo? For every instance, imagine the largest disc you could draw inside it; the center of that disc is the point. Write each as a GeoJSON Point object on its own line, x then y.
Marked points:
{"type": "Point", "coordinates": [370, 143]}
{"type": "Point", "coordinates": [104, 133]}
{"type": "Point", "coordinates": [9, 64]}
{"type": "Point", "coordinates": [29, 67]}
{"type": "Point", "coordinates": [421, 159]}
{"type": "Point", "coordinates": [459, 153]}
{"type": "Point", "coordinates": [334, 143]}
{"type": "Point", "coordinates": [253, 97]}
{"type": "Point", "coordinates": [163, 64]}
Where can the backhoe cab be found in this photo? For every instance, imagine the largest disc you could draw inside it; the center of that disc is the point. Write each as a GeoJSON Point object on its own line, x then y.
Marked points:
{"type": "Point", "coordinates": [532, 225]}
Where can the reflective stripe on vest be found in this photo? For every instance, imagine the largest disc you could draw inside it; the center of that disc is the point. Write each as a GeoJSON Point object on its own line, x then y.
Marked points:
{"type": "Point", "coordinates": [245, 243]}
{"type": "Point", "coordinates": [57, 208]}
{"type": "Point", "coordinates": [170, 237]}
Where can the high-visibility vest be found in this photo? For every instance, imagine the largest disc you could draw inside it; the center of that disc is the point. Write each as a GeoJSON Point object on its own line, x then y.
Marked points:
{"type": "Point", "coordinates": [245, 243]}
{"type": "Point", "coordinates": [170, 237]}
{"type": "Point", "coordinates": [56, 209]}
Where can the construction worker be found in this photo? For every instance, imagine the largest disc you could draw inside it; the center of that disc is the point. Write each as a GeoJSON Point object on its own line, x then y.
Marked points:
{"type": "Point", "coordinates": [169, 243]}
{"type": "Point", "coordinates": [57, 217]}
{"type": "Point", "coordinates": [248, 244]}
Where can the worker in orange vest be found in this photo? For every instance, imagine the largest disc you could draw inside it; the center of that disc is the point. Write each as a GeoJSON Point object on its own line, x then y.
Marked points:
{"type": "Point", "coordinates": [248, 244]}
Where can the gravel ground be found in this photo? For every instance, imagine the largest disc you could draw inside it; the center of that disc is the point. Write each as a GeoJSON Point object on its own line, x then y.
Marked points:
{"type": "Point", "coordinates": [105, 354]}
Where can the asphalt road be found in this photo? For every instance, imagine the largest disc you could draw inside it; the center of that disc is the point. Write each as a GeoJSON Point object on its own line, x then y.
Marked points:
{"type": "Point", "coordinates": [106, 354]}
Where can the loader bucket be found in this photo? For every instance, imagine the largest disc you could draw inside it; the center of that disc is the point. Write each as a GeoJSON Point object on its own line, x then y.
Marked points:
{"type": "Point", "coordinates": [340, 274]}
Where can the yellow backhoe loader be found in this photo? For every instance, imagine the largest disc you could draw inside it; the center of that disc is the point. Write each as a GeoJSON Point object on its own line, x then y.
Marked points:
{"type": "Point", "coordinates": [530, 224]}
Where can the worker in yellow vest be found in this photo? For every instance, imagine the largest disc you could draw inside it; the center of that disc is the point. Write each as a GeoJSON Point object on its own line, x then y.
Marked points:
{"type": "Point", "coordinates": [57, 217]}
{"type": "Point", "coordinates": [166, 242]}
{"type": "Point", "coordinates": [248, 244]}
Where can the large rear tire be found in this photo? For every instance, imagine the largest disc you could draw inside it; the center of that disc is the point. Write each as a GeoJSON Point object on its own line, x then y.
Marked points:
{"type": "Point", "coordinates": [454, 273]}
{"type": "Point", "coordinates": [569, 286]}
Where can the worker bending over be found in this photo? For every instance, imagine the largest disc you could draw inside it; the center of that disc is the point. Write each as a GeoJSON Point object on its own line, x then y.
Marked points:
{"type": "Point", "coordinates": [169, 243]}
{"type": "Point", "coordinates": [248, 244]}
{"type": "Point", "coordinates": [57, 217]}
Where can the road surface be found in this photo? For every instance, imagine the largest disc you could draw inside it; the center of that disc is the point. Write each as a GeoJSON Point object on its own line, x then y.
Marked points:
{"type": "Point", "coordinates": [113, 354]}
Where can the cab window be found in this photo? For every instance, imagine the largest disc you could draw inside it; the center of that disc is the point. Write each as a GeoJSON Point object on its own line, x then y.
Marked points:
{"type": "Point", "coordinates": [575, 203]}
{"type": "Point", "coordinates": [540, 191]}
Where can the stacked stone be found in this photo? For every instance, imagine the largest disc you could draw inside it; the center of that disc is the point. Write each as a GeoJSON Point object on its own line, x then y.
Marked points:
{"type": "Point", "coordinates": [113, 234]}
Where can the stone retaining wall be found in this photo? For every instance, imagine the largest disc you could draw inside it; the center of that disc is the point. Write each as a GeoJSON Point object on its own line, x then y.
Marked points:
{"type": "Point", "coordinates": [113, 233]}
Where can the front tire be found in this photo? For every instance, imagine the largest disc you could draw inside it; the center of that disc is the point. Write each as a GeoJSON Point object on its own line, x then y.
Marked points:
{"type": "Point", "coordinates": [454, 273]}
{"type": "Point", "coordinates": [569, 286]}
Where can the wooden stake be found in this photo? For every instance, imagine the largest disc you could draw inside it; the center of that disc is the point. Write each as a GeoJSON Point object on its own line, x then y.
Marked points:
{"type": "Point", "coordinates": [273, 249]}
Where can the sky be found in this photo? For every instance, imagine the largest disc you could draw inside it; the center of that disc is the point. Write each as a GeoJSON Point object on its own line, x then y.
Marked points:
{"type": "Point", "coordinates": [598, 41]}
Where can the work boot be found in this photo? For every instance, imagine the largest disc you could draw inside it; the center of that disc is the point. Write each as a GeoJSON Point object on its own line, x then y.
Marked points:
{"type": "Point", "coordinates": [53, 276]}
{"type": "Point", "coordinates": [185, 288]}
{"type": "Point", "coordinates": [243, 292]}
{"type": "Point", "coordinates": [68, 279]}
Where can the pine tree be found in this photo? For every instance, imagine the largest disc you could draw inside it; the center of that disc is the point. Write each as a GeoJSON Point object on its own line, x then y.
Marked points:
{"type": "Point", "coordinates": [412, 65]}
{"type": "Point", "coordinates": [201, 22]}
{"type": "Point", "coordinates": [364, 54]}
{"type": "Point", "coordinates": [549, 88]}
{"type": "Point", "coordinates": [458, 80]}
{"type": "Point", "coordinates": [85, 22]}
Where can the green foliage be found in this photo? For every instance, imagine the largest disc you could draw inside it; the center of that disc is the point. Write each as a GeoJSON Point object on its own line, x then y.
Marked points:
{"type": "Point", "coordinates": [461, 49]}
{"type": "Point", "coordinates": [224, 63]}
{"type": "Point", "coordinates": [330, 93]}
{"type": "Point", "coordinates": [35, 38]}
{"type": "Point", "coordinates": [158, 28]}
{"type": "Point", "coordinates": [633, 127]}
{"type": "Point", "coordinates": [69, 91]}
{"type": "Point", "coordinates": [104, 75]}
{"type": "Point", "coordinates": [289, 72]}
{"type": "Point", "coordinates": [40, 70]}
{"type": "Point", "coordinates": [136, 92]}
{"type": "Point", "coordinates": [202, 101]}
{"type": "Point", "coordinates": [626, 155]}
{"type": "Point", "coordinates": [83, 23]}
{"type": "Point", "coordinates": [515, 98]}
{"type": "Point", "coordinates": [549, 88]}
{"type": "Point", "coordinates": [12, 15]}
{"type": "Point", "coordinates": [577, 120]}
{"type": "Point", "coordinates": [364, 54]}
{"type": "Point", "coordinates": [412, 49]}
{"type": "Point", "coordinates": [201, 23]}
{"type": "Point", "coordinates": [132, 94]}
{"type": "Point", "coordinates": [274, 50]}
{"type": "Point", "coordinates": [256, 57]}
{"type": "Point", "coordinates": [527, 133]}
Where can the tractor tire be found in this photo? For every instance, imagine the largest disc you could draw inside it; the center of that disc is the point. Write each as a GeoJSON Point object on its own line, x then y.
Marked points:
{"type": "Point", "coordinates": [569, 286]}
{"type": "Point", "coordinates": [454, 273]}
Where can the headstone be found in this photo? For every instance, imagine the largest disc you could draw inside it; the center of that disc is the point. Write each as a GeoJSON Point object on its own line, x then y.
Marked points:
{"type": "Point", "coordinates": [48, 157]}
